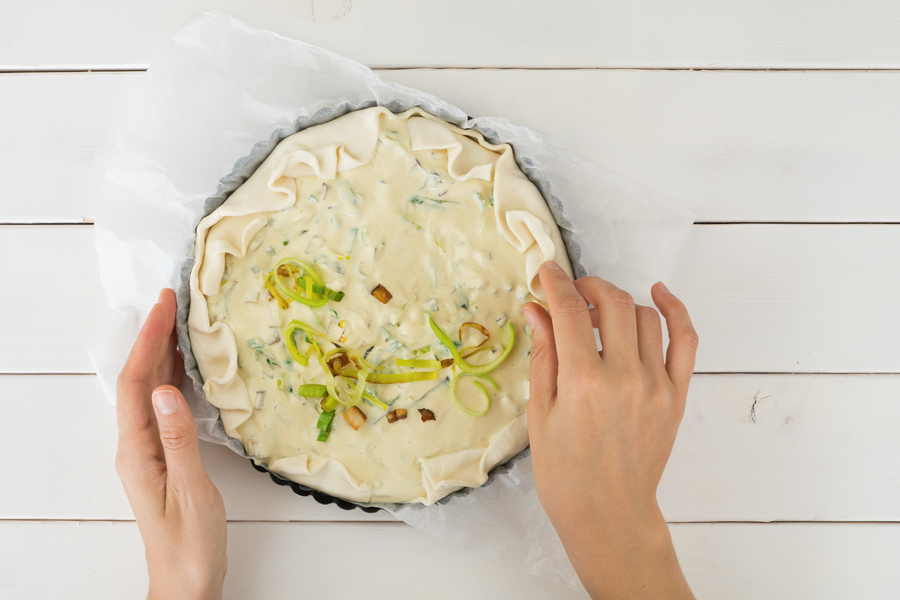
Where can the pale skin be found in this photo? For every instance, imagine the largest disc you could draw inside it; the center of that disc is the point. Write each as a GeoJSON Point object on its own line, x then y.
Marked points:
{"type": "Point", "coordinates": [609, 418]}
{"type": "Point", "coordinates": [178, 510]}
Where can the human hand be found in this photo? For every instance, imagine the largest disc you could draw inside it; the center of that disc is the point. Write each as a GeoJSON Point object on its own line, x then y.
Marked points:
{"type": "Point", "coordinates": [602, 426]}
{"type": "Point", "coordinates": [179, 511]}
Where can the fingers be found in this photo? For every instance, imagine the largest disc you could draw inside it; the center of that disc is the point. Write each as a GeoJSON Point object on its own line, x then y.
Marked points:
{"type": "Point", "coordinates": [178, 436]}
{"type": "Point", "coordinates": [570, 318]}
{"type": "Point", "coordinates": [683, 339]}
{"type": "Point", "coordinates": [615, 317]}
{"type": "Point", "coordinates": [143, 370]}
{"type": "Point", "coordinates": [544, 362]}
{"type": "Point", "coordinates": [649, 335]}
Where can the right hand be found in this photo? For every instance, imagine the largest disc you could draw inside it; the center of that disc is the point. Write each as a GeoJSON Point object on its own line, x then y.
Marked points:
{"type": "Point", "coordinates": [178, 509]}
{"type": "Point", "coordinates": [602, 426]}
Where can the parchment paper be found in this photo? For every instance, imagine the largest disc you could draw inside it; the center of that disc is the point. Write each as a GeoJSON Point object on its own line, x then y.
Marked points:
{"type": "Point", "coordinates": [216, 100]}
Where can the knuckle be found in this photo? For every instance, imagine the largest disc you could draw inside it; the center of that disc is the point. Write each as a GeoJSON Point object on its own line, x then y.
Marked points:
{"type": "Point", "coordinates": [175, 438]}
{"type": "Point", "coordinates": [571, 304]}
{"type": "Point", "coordinates": [539, 351]}
{"type": "Point", "coordinates": [622, 297]}
{"type": "Point", "coordinates": [645, 313]}
{"type": "Point", "coordinates": [690, 338]}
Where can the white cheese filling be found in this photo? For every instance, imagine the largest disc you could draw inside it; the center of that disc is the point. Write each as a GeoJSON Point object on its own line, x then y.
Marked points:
{"type": "Point", "coordinates": [437, 218]}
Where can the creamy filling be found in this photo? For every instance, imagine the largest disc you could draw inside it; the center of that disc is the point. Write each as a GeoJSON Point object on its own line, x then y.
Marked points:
{"type": "Point", "coordinates": [403, 222]}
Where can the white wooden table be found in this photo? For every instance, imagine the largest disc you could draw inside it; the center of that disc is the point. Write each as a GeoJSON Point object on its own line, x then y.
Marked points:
{"type": "Point", "coordinates": [776, 121]}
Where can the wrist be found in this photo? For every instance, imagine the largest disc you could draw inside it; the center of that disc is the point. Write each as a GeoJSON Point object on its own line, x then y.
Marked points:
{"type": "Point", "coordinates": [623, 552]}
{"type": "Point", "coordinates": [174, 591]}
{"type": "Point", "coordinates": [184, 584]}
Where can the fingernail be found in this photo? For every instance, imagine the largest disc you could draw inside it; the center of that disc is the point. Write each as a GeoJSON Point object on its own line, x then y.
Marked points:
{"type": "Point", "coordinates": [165, 402]}
{"type": "Point", "coordinates": [529, 318]}
{"type": "Point", "coordinates": [160, 299]}
{"type": "Point", "coordinates": [663, 288]}
{"type": "Point", "coordinates": [552, 265]}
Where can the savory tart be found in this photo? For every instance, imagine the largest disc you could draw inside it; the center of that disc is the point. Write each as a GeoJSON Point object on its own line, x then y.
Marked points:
{"type": "Point", "coordinates": [356, 306]}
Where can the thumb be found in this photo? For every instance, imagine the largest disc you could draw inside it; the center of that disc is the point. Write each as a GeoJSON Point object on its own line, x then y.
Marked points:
{"type": "Point", "coordinates": [178, 435]}
{"type": "Point", "coordinates": [544, 361]}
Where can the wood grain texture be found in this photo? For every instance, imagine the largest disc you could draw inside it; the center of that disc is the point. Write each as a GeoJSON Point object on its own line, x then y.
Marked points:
{"type": "Point", "coordinates": [59, 436]}
{"type": "Point", "coordinates": [729, 146]}
{"type": "Point", "coordinates": [750, 448]}
{"type": "Point", "coordinates": [43, 34]}
{"type": "Point", "coordinates": [764, 298]}
{"type": "Point", "coordinates": [101, 560]}
{"type": "Point", "coordinates": [786, 448]}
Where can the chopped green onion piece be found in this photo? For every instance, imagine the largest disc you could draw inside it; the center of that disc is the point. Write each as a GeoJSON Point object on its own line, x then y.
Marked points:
{"type": "Point", "coordinates": [303, 270]}
{"type": "Point", "coordinates": [292, 347]}
{"type": "Point", "coordinates": [324, 433]}
{"type": "Point", "coordinates": [311, 337]}
{"type": "Point", "coordinates": [360, 385]}
{"type": "Point", "coordinates": [312, 390]}
{"type": "Point", "coordinates": [480, 386]}
{"type": "Point", "coordinates": [354, 355]}
{"type": "Point", "coordinates": [422, 350]}
{"type": "Point", "coordinates": [325, 420]}
{"type": "Point", "coordinates": [327, 292]}
{"type": "Point", "coordinates": [420, 200]}
{"type": "Point", "coordinates": [329, 403]}
{"type": "Point", "coordinates": [394, 377]}
{"type": "Point", "coordinates": [330, 386]}
{"type": "Point", "coordinates": [373, 400]}
{"type": "Point", "coordinates": [424, 364]}
{"type": "Point", "coordinates": [411, 222]}
{"type": "Point", "coordinates": [282, 302]}
{"type": "Point", "coordinates": [461, 362]}
{"type": "Point", "coordinates": [473, 350]}
{"type": "Point", "coordinates": [255, 343]}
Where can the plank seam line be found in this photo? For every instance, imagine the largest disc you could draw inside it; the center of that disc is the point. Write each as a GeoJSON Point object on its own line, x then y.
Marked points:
{"type": "Point", "coordinates": [16, 71]}
{"type": "Point", "coordinates": [842, 373]}
{"type": "Point", "coordinates": [887, 373]}
{"type": "Point", "coordinates": [89, 221]}
{"type": "Point", "coordinates": [39, 374]}
{"type": "Point", "coordinates": [720, 69]}
{"type": "Point", "coordinates": [335, 522]}
{"type": "Point", "coordinates": [796, 222]}
{"type": "Point", "coordinates": [85, 221]}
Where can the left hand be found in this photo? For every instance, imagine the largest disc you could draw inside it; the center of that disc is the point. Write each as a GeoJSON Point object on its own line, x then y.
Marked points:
{"type": "Point", "coordinates": [178, 510]}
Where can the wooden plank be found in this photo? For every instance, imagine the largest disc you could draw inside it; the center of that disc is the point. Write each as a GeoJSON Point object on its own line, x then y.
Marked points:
{"type": "Point", "coordinates": [56, 133]}
{"type": "Point", "coordinates": [276, 560]}
{"type": "Point", "coordinates": [51, 303]}
{"type": "Point", "coordinates": [265, 560]}
{"type": "Point", "coordinates": [650, 34]}
{"type": "Point", "coordinates": [729, 146]}
{"type": "Point", "coordinates": [59, 440]}
{"type": "Point", "coordinates": [790, 561]}
{"type": "Point", "coordinates": [751, 448]}
{"type": "Point", "coordinates": [764, 298]}
{"type": "Point", "coordinates": [795, 298]}
{"type": "Point", "coordinates": [786, 448]}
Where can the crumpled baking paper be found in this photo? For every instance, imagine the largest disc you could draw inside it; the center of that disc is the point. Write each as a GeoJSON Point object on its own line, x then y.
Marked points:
{"type": "Point", "coordinates": [215, 101]}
